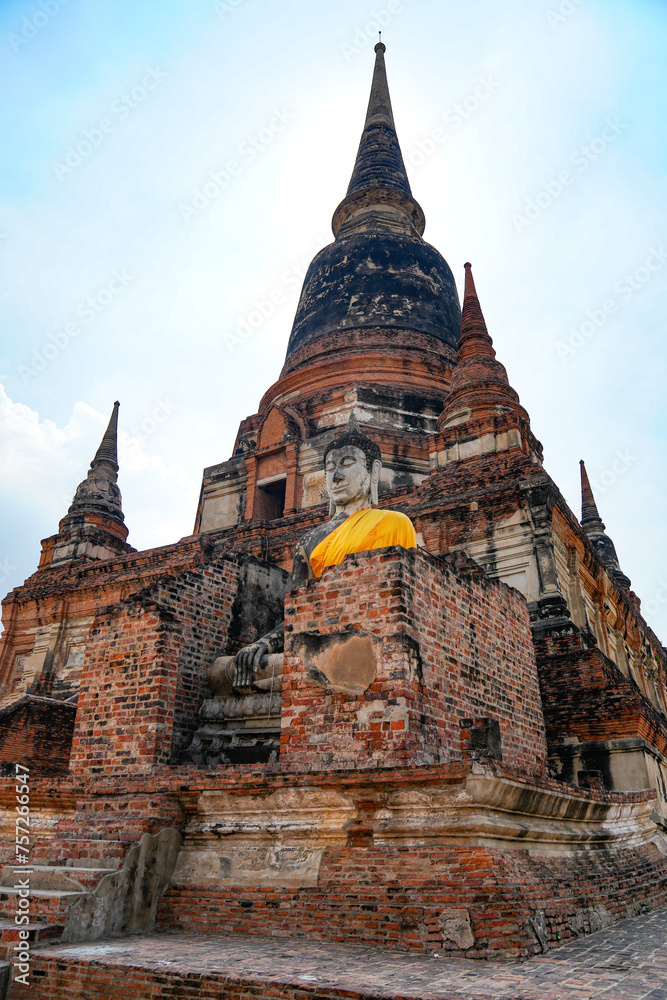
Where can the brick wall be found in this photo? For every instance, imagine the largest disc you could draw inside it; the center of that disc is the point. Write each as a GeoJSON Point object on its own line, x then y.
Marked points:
{"type": "Point", "coordinates": [372, 887]}
{"type": "Point", "coordinates": [53, 978]}
{"type": "Point", "coordinates": [586, 696]}
{"type": "Point", "coordinates": [450, 647]}
{"type": "Point", "coordinates": [395, 897]}
{"type": "Point", "coordinates": [33, 724]}
{"type": "Point", "coordinates": [144, 675]}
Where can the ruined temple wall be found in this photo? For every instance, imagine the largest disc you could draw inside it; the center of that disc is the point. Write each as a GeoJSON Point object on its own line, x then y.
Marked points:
{"type": "Point", "coordinates": [598, 720]}
{"type": "Point", "coordinates": [37, 733]}
{"type": "Point", "coordinates": [477, 654]}
{"type": "Point", "coordinates": [612, 613]}
{"type": "Point", "coordinates": [144, 674]}
{"type": "Point", "coordinates": [439, 649]}
{"type": "Point", "coordinates": [48, 619]}
{"type": "Point", "coordinates": [471, 901]}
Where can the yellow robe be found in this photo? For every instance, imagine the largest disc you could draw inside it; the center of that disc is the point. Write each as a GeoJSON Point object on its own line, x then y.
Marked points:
{"type": "Point", "coordinates": [364, 530]}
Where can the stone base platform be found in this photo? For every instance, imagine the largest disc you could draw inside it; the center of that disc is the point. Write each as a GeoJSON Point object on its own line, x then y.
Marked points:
{"type": "Point", "coordinates": [625, 962]}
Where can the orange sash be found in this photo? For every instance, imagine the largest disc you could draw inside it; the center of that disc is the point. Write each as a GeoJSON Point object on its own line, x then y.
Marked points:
{"type": "Point", "coordinates": [364, 530]}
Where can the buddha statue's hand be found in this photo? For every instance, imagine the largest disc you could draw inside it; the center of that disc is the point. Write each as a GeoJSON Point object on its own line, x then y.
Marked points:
{"type": "Point", "coordinates": [247, 662]}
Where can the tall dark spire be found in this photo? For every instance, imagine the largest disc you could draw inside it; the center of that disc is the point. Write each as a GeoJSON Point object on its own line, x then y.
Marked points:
{"type": "Point", "coordinates": [379, 159]}
{"type": "Point", "coordinates": [594, 527]}
{"type": "Point", "coordinates": [378, 274]}
{"type": "Point", "coordinates": [379, 189]}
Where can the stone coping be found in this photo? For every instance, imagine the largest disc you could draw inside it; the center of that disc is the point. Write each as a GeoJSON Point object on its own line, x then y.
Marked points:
{"type": "Point", "coordinates": [181, 780]}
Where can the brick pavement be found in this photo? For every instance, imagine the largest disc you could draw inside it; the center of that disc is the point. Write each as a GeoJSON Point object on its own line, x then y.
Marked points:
{"type": "Point", "coordinates": [625, 962]}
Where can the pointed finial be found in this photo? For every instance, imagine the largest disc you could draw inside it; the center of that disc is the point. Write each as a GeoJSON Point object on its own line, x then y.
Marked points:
{"type": "Point", "coordinates": [99, 493]}
{"type": "Point", "coordinates": [352, 425]}
{"type": "Point", "coordinates": [108, 449]}
{"type": "Point", "coordinates": [478, 379]}
{"type": "Point", "coordinates": [379, 177]}
{"type": "Point", "coordinates": [594, 527]}
{"type": "Point", "coordinates": [474, 339]}
{"type": "Point", "coordinates": [589, 511]}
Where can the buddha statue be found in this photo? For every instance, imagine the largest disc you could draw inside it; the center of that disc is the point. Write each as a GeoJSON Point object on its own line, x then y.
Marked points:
{"type": "Point", "coordinates": [352, 467]}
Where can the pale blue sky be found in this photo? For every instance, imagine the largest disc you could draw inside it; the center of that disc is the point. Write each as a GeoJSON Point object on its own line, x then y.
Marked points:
{"type": "Point", "coordinates": [571, 272]}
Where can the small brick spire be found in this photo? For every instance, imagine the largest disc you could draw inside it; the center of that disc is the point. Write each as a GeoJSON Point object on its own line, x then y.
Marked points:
{"type": "Point", "coordinates": [94, 527]}
{"type": "Point", "coordinates": [594, 527]}
{"type": "Point", "coordinates": [481, 405]}
{"type": "Point", "coordinates": [478, 375]}
{"type": "Point", "coordinates": [98, 493]}
{"type": "Point", "coordinates": [475, 340]}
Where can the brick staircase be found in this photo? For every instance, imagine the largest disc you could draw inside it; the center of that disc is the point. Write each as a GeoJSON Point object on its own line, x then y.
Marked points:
{"type": "Point", "coordinates": [62, 871]}
{"type": "Point", "coordinates": [64, 874]}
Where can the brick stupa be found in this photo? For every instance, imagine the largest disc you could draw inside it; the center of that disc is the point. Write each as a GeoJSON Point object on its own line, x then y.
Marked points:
{"type": "Point", "coordinates": [477, 769]}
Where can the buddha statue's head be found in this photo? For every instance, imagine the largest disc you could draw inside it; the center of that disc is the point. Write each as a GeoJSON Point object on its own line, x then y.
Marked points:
{"type": "Point", "coordinates": [352, 467]}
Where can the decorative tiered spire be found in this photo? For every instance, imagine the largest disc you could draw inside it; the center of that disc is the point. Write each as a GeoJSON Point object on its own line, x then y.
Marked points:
{"type": "Point", "coordinates": [478, 379]}
{"type": "Point", "coordinates": [379, 191]}
{"type": "Point", "coordinates": [475, 341]}
{"type": "Point", "coordinates": [594, 527]}
{"type": "Point", "coordinates": [98, 493]}
{"type": "Point", "coordinates": [93, 527]}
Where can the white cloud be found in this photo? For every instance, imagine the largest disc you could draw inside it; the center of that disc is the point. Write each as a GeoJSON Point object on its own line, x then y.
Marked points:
{"type": "Point", "coordinates": [42, 465]}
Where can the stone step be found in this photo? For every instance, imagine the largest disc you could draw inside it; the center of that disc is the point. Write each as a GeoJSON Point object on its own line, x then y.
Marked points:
{"type": "Point", "coordinates": [59, 877]}
{"type": "Point", "coordinates": [77, 852]}
{"type": "Point", "coordinates": [46, 905]}
{"type": "Point", "coordinates": [38, 933]}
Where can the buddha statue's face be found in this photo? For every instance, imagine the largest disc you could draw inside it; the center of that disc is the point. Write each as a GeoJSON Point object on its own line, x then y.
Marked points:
{"type": "Point", "coordinates": [348, 480]}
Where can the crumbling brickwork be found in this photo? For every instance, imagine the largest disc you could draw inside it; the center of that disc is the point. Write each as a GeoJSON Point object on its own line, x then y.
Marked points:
{"type": "Point", "coordinates": [35, 725]}
{"type": "Point", "coordinates": [144, 675]}
{"type": "Point", "coordinates": [448, 644]}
